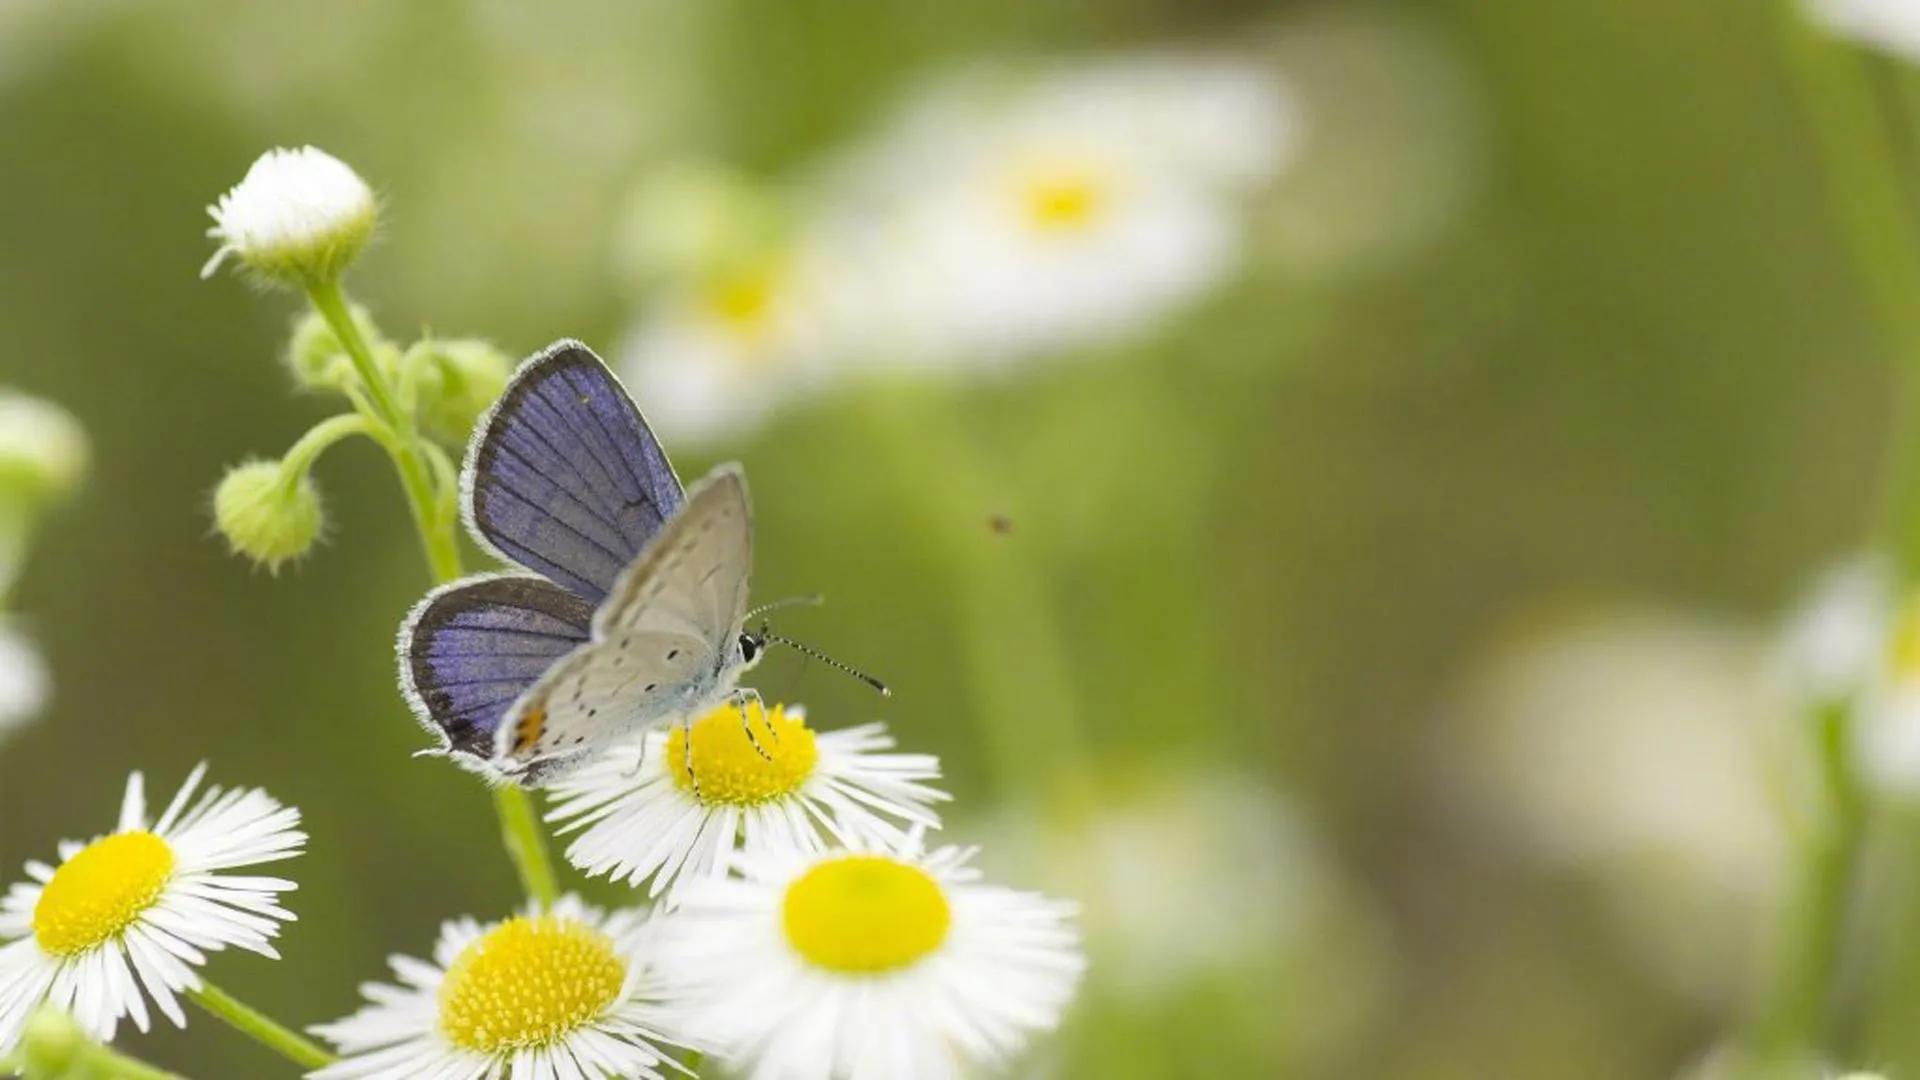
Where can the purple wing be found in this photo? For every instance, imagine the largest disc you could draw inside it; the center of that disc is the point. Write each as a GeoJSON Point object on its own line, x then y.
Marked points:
{"type": "Point", "coordinates": [470, 648]}
{"type": "Point", "coordinates": [564, 477]}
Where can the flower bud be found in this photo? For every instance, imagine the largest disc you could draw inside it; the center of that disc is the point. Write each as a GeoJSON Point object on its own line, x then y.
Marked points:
{"type": "Point", "coordinates": [454, 382]}
{"type": "Point", "coordinates": [318, 360]}
{"type": "Point", "coordinates": [43, 451]}
{"type": "Point", "coordinates": [266, 515]}
{"type": "Point", "coordinates": [298, 219]}
{"type": "Point", "coordinates": [52, 1043]}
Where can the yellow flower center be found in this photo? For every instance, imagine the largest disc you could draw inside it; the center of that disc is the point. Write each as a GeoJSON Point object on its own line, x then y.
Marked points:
{"type": "Point", "coordinates": [528, 982]}
{"type": "Point", "coordinates": [744, 298]}
{"type": "Point", "coordinates": [100, 891]}
{"type": "Point", "coordinates": [865, 914]}
{"type": "Point", "coordinates": [729, 769]}
{"type": "Point", "coordinates": [1063, 200]}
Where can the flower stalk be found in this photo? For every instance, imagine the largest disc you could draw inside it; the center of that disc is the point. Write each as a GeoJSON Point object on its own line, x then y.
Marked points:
{"type": "Point", "coordinates": [1022, 682]}
{"type": "Point", "coordinates": [396, 431]}
{"type": "Point", "coordinates": [430, 482]}
{"type": "Point", "coordinates": [1870, 206]}
{"type": "Point", "coordinates": [259, 1027]}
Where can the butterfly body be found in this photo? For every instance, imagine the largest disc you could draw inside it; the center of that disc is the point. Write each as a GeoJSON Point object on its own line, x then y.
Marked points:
{"type": "Point", "coordinates": [633, 613]}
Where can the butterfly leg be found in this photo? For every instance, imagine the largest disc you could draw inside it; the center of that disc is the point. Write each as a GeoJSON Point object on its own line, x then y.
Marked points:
{"type": "Point", "coordinates": [742, 695]}
{"type": "Point", "coordinates": [639, 760]}
{"type": "Point", "coordinates": [686, 735]}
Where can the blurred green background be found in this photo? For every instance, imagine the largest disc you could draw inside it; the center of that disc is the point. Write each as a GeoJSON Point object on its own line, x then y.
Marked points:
{"type": "Point", "coordinates": [1551, 306]}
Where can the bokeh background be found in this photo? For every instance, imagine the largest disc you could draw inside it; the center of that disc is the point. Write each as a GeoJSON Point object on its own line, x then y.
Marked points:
{"type": "Point", "coordinates": [1391, 621]}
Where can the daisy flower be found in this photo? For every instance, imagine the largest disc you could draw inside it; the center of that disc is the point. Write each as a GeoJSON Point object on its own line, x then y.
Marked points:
{"type": "Point", "coordinates": [1076, 207]}
{"type": "Point", "coordinates": [298, 218]}
{"type": "Point", "coordinates": [644, 817]}
{"type": "Point", "coordinates": [129, 916]}
{"type": "Point", "coordinates": [719, 350]}
{"type": "Point", "coordinates": [550, 994]}
{"type": "Point", "coordinates": [867, 964]}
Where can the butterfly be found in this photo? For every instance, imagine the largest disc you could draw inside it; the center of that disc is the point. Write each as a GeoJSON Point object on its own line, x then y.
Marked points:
{"type": "Point", "coordinates": [631, 609]}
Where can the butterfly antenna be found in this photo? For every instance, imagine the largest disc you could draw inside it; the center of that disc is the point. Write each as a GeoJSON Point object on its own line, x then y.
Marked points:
{"type": "Point", "coordinates": [816, 654]}
{"type": "Point", "coordinates": [809, 600]}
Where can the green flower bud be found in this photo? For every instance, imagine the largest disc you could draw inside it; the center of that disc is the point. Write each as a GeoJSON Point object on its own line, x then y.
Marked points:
{"type": "Point", "coordinates": [298, 219]}
{"type": "Point", "coordinates": [453, 383]}
{"type": "Point", "coordinates": [266, 515]}
{"type": "Point", "coordinates": [52, 1043]}
{"type": "Point", "coordinates": [43, 450]}
{"type": "Point", "coordinates": [318, 360]}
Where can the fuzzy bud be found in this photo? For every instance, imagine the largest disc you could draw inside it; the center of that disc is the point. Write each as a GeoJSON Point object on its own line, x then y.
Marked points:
{"type": "Point", "coordinates": [454, 382]}
{"type": "Point", "coordinates": [298, 219]}
{"type": "Point", "coordinates": [318, 360]}
{"type": "Point", "coordinates": [266, 515]}
{"type": "Point", "coordinates": [52, 1044]}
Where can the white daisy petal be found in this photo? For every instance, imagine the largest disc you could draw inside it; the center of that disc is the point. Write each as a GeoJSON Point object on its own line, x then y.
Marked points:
{"type": "Point", "coordinates": [124, 920]}
{"type": "Point", "coordinates": [298, 218]}
{"type": "Point", "coordinates": [810, 789]}
{"type": "Point", "coordinates": [562, 994]}
{"type": "Point", "coordinates": [867, 963]}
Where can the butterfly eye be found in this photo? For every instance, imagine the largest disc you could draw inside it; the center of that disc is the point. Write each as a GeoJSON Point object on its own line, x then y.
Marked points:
{"type": "Point", "coordinates": [749, 648]}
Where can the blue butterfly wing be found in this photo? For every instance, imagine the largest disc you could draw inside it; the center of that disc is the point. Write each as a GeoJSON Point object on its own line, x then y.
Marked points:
{"type": "Point", "coordinates": [564, 477]}
{"type": "Point", "coordinates": [471, 648]}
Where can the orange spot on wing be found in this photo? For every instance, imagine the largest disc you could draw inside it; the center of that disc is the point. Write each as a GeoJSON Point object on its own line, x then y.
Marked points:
{"type": "Point", "coordinates": [527, 731]}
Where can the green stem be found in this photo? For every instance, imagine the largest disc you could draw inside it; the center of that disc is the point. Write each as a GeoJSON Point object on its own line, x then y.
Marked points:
{"type": "Point", "coordinates": [1793, 1015]}
{"type": "Point", "coordinates": [439, 537]}
{"type": "Point", "coordinates": [300, 457]}
{"type": "Point", "coordinates": [526, 843]}
{"type": "Point", "coordinates": [431, 485]}
{"type": "Point", "coordinates": [256, 1025]}
{"type": "Point", "coordinates": [1872, 208]}
{"type": "Point", "coordinates": [1022, 683]}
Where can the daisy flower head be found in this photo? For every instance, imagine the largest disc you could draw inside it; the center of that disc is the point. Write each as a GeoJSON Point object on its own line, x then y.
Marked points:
{"type": "Point", "coordinates": [1019, 214]}
{"type": "Point", "coordinates": [129, 916]}
{"type": "Point", "coordinates": [642, 815]}
{"type": "Point", "coordinates": [560, 992]}
{"type": "Point", "coordinates": [867, 963]}
{"type": "Point", "coordinates": [721, 348]}
{"type": "Point", "coordinates": [298, 218]}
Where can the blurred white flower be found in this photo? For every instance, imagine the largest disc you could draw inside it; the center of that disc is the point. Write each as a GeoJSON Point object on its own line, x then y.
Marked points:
{"type": "Point", "coordinates": [560, 994]}
{"type": "Point", "coordinates": [1835, 645]}
{"type": "Point", "coordinates": [795, 789]}
{"type": "Point", "coordinates": [298, 218]}
{"type": "Point", "coordinates": [43, 449]}
{"type": "Point", "coordinates": [1892, 25]}
{"type": "Point", "coordinates": [715, 352]}
{"type": "Point", "coordinates": [23, 679]}
{"type": "Point", "coordinates": [1016, 213]}
{"type": "Point", "coordinates": [131, 915]}
{"type": "Point", "coordinates": [866, 964]}
{"type": "Point", "coordinates": [1854, 643]}
{"type": "Point", "coordinates": [1198, 840]}
{"type": "Point", "coordinates": [1632, 747]}
{"type": "Point", "coordinates": [1205, 837]}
